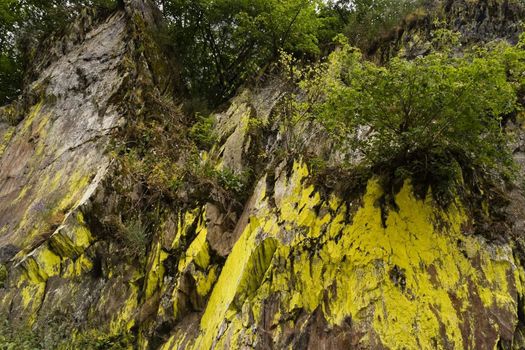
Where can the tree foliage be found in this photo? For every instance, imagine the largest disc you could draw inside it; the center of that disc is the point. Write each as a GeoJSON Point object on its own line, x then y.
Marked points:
{"type": "Point", "coordinates": [431, 118]}
{"type": "Point", "coordinates": [219, 44]}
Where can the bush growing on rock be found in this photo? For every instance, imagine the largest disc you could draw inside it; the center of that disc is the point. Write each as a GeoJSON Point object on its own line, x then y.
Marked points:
{"type": "Point", "coordinates": [431, 119]}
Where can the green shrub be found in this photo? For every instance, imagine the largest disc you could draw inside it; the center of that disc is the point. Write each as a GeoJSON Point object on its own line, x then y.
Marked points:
{"type": "Point", "coordinates": [431, 119]}
{"type": "Point", "coordinates": [136, 237]}
{"type": "Point", "coordinates": [202, 132]}
{"type": "Point", "coordinates": [231, 181]}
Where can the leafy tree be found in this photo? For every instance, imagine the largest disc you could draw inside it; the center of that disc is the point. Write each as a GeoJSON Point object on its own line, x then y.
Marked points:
{"type": "Point", "coordinates": [219, 44]}
{"type": "Point", "coordinates": [432, 118]}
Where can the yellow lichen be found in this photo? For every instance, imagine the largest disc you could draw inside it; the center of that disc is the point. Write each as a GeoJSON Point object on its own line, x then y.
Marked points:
{"type": "Point", "coordinates": [204, 281]}
{"type": "Point", "coordinates": [31, 295]}
{"type": "Point", "coordinates": [410, 276]}
{"type": "Point", "coordinates": [183, 225]}
{"type": "Point", "coordinates": [48, 262]}
{"type": "Point", "coordinates": [226, 286]}
{"type": "Point", "coordinates": [28, 120]}
{"type": "Point", "coordinates": [78, 267]}
{"type": "Point", "coordinates": [7, 136]}
{"type": "Point", "coordinates": [22, 193]}
{"type": "Point", "coordinates": [82, 237]}
{"type": "Point", "coordinates": [198, 251]}
{"type": "Point", "coordinates": [124, 320]}
{"type": "Point", "coordinates": [73, 238]}
{"type": "Point", "coordinates": [155, 269]}
{"type": "Point", "coordinates": [39, 266]}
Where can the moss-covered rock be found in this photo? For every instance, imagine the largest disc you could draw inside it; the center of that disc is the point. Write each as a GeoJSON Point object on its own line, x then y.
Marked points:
{"type": "Point", "coordinates": [284, 264]}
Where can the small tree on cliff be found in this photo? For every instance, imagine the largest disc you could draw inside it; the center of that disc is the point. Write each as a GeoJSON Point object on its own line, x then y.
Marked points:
{"type": "Point", "coordinates": [432, 119]}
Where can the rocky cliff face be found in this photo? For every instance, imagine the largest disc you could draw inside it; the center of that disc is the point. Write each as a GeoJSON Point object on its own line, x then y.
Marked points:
{"type": "Point", "coordinates": [477, 21]}
{"type": "Point", "coordinates": [293, 266]}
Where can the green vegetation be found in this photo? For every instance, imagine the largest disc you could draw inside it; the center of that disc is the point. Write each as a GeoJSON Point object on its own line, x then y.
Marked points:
{"type": "Point", "coordinates": [136, 238]}
{"type": "Point", "coordinates": [366, 20]}
{"type": "Point", "coordinates": [217, 45]}
{"type": "Point", "coordinates": [202, 131]}
{"type": "Point", "coordinates": [220, 44]}
{"type": "Point", "coordinates": [432, 119]}
{"type": "Point", "coordinates": [59, 333]}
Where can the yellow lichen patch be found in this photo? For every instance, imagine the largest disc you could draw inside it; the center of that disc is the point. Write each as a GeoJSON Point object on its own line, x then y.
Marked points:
{"type": "Point", "coordinates": [204, 281]}
{"type": "Point", "coordinates": [185, 222]}
{"type": "Point", "coordinates": [22, 193]}
{"type": "Point", "coordinates": [226, 287]}
{"type": "Point", "coordinates": [386, 270]}
{"type": "Point", "coordinates": [75, 187]}
{"type": "Point", "coordinates": [40, 132]}
{"type": "Point", "coordinates": [254, 270]}
{"type": "Point", "coordinates": [39, 266]}
{"type": "Point", "coordinates": [73, 238]}
{"type": "Point", "coordinates": [408, 275]}
{"type": "Point", "coordinates": [48, 262]}
{"type": "Point", "coordinates": [28, 120]}
{"type": "Point", "coordinates": [6, 137]}
{"type": "Point", "coordinates": [198, 251]}
{"type": "Point", "coordinates": [124, 320]}
{"type": "Point", "coordinates": [77, 267]}
{"type": "Point", "coordinates": [52, 212]}
{"type": "Point", "coordinates": [31, 272]}
{"type": "Point", "coordinates": [82, 237]}
{"type": "Point", "coordinates": [155, 270]}
{"type": "Point", "coordinates": [175, 342]}
{"type": "Point", "coordinates": [31, 295]}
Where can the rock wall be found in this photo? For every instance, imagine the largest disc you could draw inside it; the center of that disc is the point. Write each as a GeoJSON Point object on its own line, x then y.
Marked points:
{"type": "Point", "coordinates": [298, 266]}
{"type": "Point", "coordinates": [53, 167]}
{"type": "Point", "coordinates": [478, 21]}
{"type": "Point", "coordinates": [317, 273]}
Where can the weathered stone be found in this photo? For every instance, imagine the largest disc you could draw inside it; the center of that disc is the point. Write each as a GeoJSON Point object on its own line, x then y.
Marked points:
{"type": "Point", "coordinates": [293, 267]}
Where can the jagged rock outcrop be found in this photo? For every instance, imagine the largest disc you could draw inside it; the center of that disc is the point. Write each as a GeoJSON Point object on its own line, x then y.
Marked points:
{"type": "Point", "coordinates": [296, 266]}
{"type": "Point", "coordinates": [476, 22]}
{"type": "Point", "coordinates": [54, 162]}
